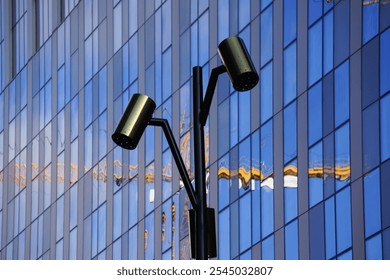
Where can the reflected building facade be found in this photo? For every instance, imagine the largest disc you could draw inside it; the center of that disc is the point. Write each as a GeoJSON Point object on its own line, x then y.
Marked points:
{"type": "Point", "coordinates": [297, 168]}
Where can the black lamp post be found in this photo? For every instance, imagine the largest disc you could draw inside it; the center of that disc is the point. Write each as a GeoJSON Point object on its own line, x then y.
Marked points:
{"type": "Point", "coordinates": [138, 114]}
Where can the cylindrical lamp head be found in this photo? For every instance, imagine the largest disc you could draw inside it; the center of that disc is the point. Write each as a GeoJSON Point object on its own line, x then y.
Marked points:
{"type": "Point", "coordinates": [138, 113]}
{"type": "Point", "coordinates": [238, 64]}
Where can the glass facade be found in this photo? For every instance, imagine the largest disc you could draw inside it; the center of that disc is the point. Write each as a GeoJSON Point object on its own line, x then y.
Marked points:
{"type": "Point", "coordinates": [297, 168]}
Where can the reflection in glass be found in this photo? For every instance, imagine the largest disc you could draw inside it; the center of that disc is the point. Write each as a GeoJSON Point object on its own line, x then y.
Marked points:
{"type": "Point", "coordinates": [133, 202]}
{"type": "Point", "coordinates": [166, 225]}
{"type": "Point", "coordinates": [185, 108]}
{"type": "Point", "coordinates": [385, 128]}
{"type": "Point", "coordinates": [244, 168]}
{"type": "Point", "coordinates": [290, 191]}
{"type": "Point", "coordinates": [342, 157]}
{"type": "Point", "coordinates": [244, 114]}
{"type": "Point", "coordinates": [372, 203]}
{"type": "Point", "coordinates": [117, 215]}
{"type": "Point", "coordinates": [223, 182]}
{"type": "Point", "coordinates": [149, 188]}
{"type": "Point", "coordinates": [316, 190]}
{"type": "Point", "coordinates": [166, 174]}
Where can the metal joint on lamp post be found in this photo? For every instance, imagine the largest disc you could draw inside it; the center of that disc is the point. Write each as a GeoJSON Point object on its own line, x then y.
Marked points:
{"type": "Point", "coordinates": [138, 115]}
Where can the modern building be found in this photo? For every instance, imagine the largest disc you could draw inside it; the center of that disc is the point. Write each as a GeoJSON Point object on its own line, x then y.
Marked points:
{"type": "Point", "coordinates": [297, 168]}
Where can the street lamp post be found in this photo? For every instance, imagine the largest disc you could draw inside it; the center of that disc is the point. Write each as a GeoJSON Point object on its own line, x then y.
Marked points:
{"type": "Point", "coordinates": [138, 115]}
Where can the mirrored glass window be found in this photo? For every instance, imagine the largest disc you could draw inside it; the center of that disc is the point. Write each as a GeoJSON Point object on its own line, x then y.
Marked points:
{"type": "Point", "coordinates": [291, 241]}
{"type": "Point", "coordinates": [343, 220]}
{"type": "Point", "coordinates": [266, 36]}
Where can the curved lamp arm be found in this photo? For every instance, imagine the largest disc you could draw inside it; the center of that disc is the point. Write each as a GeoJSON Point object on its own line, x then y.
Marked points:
{"type": "Point", "coordinates": [178, 159]}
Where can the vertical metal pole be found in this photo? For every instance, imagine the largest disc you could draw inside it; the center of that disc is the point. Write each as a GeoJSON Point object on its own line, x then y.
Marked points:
{"type": "Point", "coordinates": [200, 177]}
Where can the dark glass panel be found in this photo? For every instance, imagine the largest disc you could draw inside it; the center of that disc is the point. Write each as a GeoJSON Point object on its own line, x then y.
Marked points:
{"type": "Point", "coordinates": [385, 127]}
{"type": "Point", "coordinates": [384, 61]}
{"type": "Point", "coordinates": [316, 222]}
{"type": "Point", "coordinates": [370, 72]}
{"type": "Point", "coordinates": [371, 137]}
{"type": "Point", "coordinates": [341, 33]}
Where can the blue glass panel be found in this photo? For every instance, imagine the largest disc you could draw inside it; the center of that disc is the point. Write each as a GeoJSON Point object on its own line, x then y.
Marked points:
{"type": "Point", "coordinates": [2, 112]}
{"type": "Point", "coordinates": [244, 114]}
{"type": "Point", "coordinates": [386, 244]}
{"type": "Point", "coordinates": [149, 188]}
{"type": "Point", "coordinates": [234, 230]}
{"type": "Point", "coordinates": [166, 24]}
{"type": "Point", "coordinates": [167, 74]}
{"type": "Point", "coordinates": [291, 241]}
{"type": "Point", "coordinates": [244, 13]}
{"type": "Point", "coordinates": [266, 42]}
{"type": "Point", "coordinates": [342, 157]}
{"type": "Point", "coordinates": [103, 90]}
{"type": "Point", "coordinates": [256, 187]}
{"type": "Point", "coordinates": [385, 128]}
{"type": "Point", "coordinates": [88, 102]}
{"type": "Point", "coordinates": [346, 256]}
{"type": "Point", "coordinates": [233, 119]}
{"type": "Point", "coordinates": [343, 220]}
{"type": "Point", "coordinates": [133, 241]}
{"type": "Point", "coordinates": [102, 135]}
{"type": "Point", "coordinates": [223, 20]}
{"type": "Point", "coordinates": [316, 181]}
{"type": "Point", "coordinates": [315, 10]}
{"type": "Point", "coordinates": [245, 222]}
{"type": "Point", "coordinates": [117, 215]}
{"type": "Point", "coordinates": [265, 3]}
{"type": "Point", "coordinates": [61, 88]}
{"type": "Point", "coordinates": [74, 112]}
{"type": "Point", "coordinates": [316, 232]}
{"type": "Point", "coordinates": [194, 45]}
{"type": "Point", "coordinates": [268, 248]}
{"type": "Point", "coordinates": [374, 248]}
{"type": "Point", "coordinates": [290, 21]}
{"type": "Point", "coordinates": [133, 202]}
{"type": "Point", "coordinates": [88, 59]}
{"type": "Point", "coordinates": [290, 132]}
{"type": "Point", "coordinates": [204, 38]}
{"type": "Point", "coordinates": [185, 67]}
{"type": "Point", "coordinates": [384, 62]}
{"type": "Point", "coordinates": [267, 211]}
{"type": "Point", "coordinates": [266, 93]}
{"type": "Point", "coordinates": [266, 161]}
{"type": "Point", "coordinates": [315, 53]}
{"type": "Point", "coordinates": [315, 113]}
{"type": "Point", "coordinates": [223, 127]}
{"type": "Point", "coordinates": [371, 137]}
{"type": "Point", "coordinates": [133, 59]}
{"type": "Point", "coordinates": [133, 17]}
{"type": "Point", "coordinates": [330, 229]}
{"type": "Point", "coordinates": [244, 166]}
{"type": "Point", "coordinates": [370, 21]}
{"type": "Point", "coordinates": [290, 73]}
{"type": "Point", "coordinates": [102, 220]}
{"type": "Point", "coordinates": [328, 42]}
